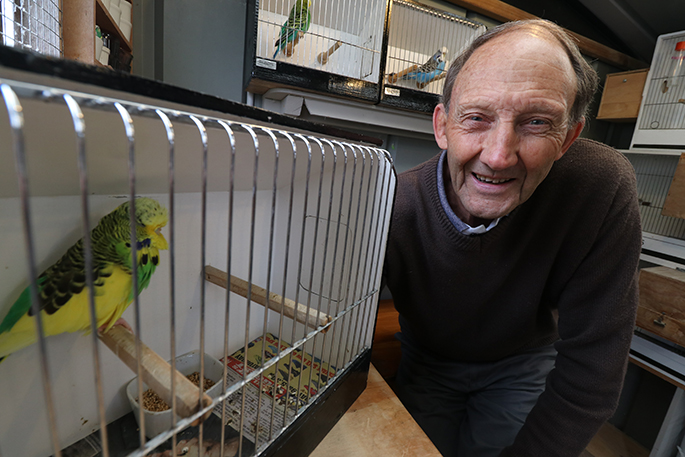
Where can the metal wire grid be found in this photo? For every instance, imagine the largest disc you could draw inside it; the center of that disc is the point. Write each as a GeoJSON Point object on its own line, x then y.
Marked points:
{"type": "Point", "coordinates": [654, 175]}
{"type": "Point", "coordinates": [32, 24]}
{"type": "Point", "coordinates": [664, 107]}
{"type": "Point", "coordinates": [341, 180]}
{"type": "Point", "coordinates": [345, 36]}
{"type": "Point", "coordinates": [417, 32]}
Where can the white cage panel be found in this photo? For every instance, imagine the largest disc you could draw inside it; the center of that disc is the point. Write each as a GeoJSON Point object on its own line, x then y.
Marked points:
{"type": "Point", "coordinates": [661, 120]}
{"type": "Point", "coordinates": [422, 43]}
{"type": "Point", "coordinates": [32, 24]}
{"type": "Point", "coordinates": [343, 37]}
{"type": "Point", "coordinates": [300, 216]}
{"type": "Point", "coordinates": [654, 176]}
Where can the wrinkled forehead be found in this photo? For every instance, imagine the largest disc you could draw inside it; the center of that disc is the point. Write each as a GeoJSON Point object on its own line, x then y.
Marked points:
{"type": "Point", "coordinates": [516, 50]}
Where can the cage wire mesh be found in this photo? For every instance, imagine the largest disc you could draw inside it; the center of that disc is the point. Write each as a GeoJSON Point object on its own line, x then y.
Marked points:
{"type": "Point", "coordinates": [32, 24]}
{"type": "Point", "coordinates": [422, 42]}
{"type": "Point", "coordinates": [343, 37]}
{"type": "Point", "coordinates": [293, 217]}
{"type": "Point", "coordinates": [654, 175]}
{"type": "Point", "coordinates": [663, 107]}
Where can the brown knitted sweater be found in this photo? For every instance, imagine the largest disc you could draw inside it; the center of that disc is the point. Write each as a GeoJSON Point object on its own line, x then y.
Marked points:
{"type": "Point", "coordinates": [573, 247]}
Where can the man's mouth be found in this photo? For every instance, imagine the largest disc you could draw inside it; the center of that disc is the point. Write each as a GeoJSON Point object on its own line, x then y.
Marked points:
{"type": "Point", "coordinates": [485, 179]}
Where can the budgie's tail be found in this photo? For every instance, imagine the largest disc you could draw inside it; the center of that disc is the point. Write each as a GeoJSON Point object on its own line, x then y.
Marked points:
{"type": "Point", "coordinates": [276, 53]}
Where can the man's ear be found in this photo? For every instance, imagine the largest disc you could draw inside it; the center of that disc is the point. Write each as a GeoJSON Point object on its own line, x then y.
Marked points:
{"type": "Point", "coordinates": [571, 136]}
{"type": "Point", "coordinates": [440, 117]}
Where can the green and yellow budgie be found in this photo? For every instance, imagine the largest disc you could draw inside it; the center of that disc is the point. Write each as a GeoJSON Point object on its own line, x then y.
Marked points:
{"type": "Point", "coordinates": [294, 28]}
{"type": "Point", "coordinates": [62, 287]}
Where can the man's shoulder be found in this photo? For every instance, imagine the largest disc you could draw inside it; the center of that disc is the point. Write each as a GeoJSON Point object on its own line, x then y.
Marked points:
{"type": "Point", "coordinates": [592, 158]}
{"type": "Point", "coordinates": [416, 174]}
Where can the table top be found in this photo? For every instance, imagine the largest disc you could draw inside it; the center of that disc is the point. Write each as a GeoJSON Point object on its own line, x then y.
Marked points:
{"type": "Point", "coordinates": [376, 424]}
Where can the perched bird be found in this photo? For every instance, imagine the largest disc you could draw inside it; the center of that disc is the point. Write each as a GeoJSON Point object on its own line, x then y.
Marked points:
{"type": "Point", "coordinates": [62, 287]}
{"type": "Point", "coordinates": [295, 27]}
{"type": "Point", "coordinates": [429, 70]}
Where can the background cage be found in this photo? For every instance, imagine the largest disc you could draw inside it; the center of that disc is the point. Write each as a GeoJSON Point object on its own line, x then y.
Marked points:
{"type": "Point", "coordinates": [661, 119]}
{"type": "Point", "coordinates": [417, 33]}
{"type": "Point", "coordinates": [300, 215]}
{"type": "Point", "coordinates": [341, 53]}
{"type": "Point", "coordinates": [32, 24]}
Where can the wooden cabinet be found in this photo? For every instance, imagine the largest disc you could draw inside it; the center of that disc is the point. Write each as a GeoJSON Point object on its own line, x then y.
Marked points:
{"type": "Point", "coordinates": [622, 96]}
{"type": "Point", "coordinates": [661, 309]}
{"type": "Point", "coordinates": [79, 20]}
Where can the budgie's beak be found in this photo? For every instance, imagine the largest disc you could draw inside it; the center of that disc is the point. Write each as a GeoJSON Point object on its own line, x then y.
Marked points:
{"type": "Point", "coordinates": [158, 239]}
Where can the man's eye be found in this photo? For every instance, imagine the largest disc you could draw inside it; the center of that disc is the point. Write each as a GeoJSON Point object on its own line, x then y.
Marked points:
{"type": "Point", "coordinates": [475, 118]}
{"type": "Point", "coordinates": [538, 122]}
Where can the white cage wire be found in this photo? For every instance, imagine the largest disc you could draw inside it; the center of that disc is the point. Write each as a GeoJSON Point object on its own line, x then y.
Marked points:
{"type": "Point", "coordinates": [661, 119]}
{"type": "Point", "coordinates": [304, 217]}
{"type": "Point", "coordinates": [654, 176]}
{"type": "Point", "coordinates": [420, 35]}
{"type": "Point", "coordinates": [33, 25]}
{"type": "Point", "coordinates": [344, 37]}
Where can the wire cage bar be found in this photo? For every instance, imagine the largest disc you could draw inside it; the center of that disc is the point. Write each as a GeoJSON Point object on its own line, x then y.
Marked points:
{"type": "Point", "coordinates": [421, 44]}
{"type": "Point", "coordinates": [32, 24]}
{"type": "Point", "coordinates": [661, 119]}
{"type": "Point", "coordinates": [294, 225]}
{"type": "Point", "coordinates": [654, 176]}
{"type": "Point", "coordinates": [329, 46]}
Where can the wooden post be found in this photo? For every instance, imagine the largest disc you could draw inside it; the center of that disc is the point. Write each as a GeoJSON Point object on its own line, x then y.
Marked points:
{"type": "Point", "coordinates": [276, 302]}
{"type": "Point", "coordinates": [78, 29]}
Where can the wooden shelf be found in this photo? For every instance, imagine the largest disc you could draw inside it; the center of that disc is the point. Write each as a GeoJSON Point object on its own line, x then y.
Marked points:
{"type": "Point", "coordinates": [611, 442]}
{"type": "Point", "coordinates": [108, 25]}
{"type": "Point", "coordinates": [79, 20]}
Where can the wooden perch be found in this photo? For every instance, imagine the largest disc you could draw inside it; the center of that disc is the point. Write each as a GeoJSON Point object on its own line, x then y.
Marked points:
{"type": "Point", "coordinates": [437, 78]}
{"type": "Point", "coordinates": [323, 57]}
{"type": "Point", "coordinates": [290, 46]}
{"type": "Point", "coordinates": [156, 373]}
{"type": "Point", "coordinates": [394, 77]}
{"type": "Point", "coordinates": [276, 302]}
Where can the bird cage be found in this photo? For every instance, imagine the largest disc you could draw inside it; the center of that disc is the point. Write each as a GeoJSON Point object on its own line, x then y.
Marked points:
{"type": "Point", "coordinates": [422, 42]}
{"type": "Point", "coordinates": [661, 119]}
{"type": "Point", "coordinates": [268, 287]}
{"type": "Point", "coordinates": [32, 24]}
{"type": "Point", "coordinates": [329, 46]}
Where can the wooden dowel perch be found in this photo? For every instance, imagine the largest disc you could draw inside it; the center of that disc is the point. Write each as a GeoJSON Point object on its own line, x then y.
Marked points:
{"type": "Point", "coordinates": [293, 310]}
{"type": "Point", "coordinates": [156, 373]}
{"type": "Point", "coordinates": [394, 77]}
{"type": "Point", "coordinates": [323, 57]}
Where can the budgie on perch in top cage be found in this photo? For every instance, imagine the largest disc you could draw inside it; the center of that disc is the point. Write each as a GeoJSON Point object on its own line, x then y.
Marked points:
{"type": "Point", "coordinates": [62, 290]}
{"type": "Point", "coordinates": [433, 69]}
{"type": "Point", "coordinates": [294, 28]}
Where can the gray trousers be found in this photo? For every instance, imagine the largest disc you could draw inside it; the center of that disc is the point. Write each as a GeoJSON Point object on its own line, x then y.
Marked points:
{"type": "Point", "coordinates": [471, 409]}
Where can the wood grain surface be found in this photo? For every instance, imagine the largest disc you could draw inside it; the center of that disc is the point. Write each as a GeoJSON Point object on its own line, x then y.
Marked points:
{"type": "Point", "coordinates": [377, 424]}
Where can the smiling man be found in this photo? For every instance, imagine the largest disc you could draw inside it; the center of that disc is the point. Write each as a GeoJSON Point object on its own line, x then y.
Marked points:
{"type": "Point", "coordinates": [512, 256]}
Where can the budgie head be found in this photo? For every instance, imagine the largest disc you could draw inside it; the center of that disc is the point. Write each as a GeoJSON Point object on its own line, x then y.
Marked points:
{"type": "Point", "coordinates": [150, 218]}
{"type": "Point", "coordinates": [440, 56]}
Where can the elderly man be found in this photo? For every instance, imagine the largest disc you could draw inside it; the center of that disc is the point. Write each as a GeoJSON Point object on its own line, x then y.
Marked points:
{"type": "Point", "coordinates": [512, 256]}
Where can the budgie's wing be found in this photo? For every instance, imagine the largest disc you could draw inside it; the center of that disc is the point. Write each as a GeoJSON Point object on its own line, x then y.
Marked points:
{"type": "Point", "coordinates": [298, 20]}
{"type": "Point", "coordinates": [56, 285]}
{"type": "Point", "coordinates": [19, 308]}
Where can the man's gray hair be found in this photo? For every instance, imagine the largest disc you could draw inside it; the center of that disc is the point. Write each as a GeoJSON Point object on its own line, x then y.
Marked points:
{"type": "Point", "coordinates": [587, 79]}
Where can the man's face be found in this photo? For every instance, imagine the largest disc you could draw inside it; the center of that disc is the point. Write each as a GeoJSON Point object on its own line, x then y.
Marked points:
{"type": "Point", "coordinates": [507, 124]}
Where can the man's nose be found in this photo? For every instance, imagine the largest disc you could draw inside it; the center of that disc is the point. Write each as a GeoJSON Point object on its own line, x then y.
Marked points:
{"type": "Point", "coordinates": [501, 148]}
